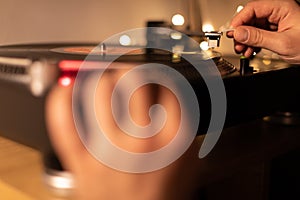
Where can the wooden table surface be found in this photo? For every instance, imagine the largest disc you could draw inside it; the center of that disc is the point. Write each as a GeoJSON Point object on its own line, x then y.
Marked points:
{"type": "Point", "coordinates": [239, 147]}
{"type": "Point", "coordinates": [21, 172]}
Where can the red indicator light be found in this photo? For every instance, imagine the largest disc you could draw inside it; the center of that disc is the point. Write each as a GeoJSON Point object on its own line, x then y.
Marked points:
{"type": "Point", "coordinates": [65, 81]}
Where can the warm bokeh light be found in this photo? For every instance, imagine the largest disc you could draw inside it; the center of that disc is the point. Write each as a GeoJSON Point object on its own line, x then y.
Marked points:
{"type": "Point", "coordinates": [125, 40]}
{"type": "Point", "coordinates": [176, 36]}
{"type": "Point", "coordinates": [207, 28]}
{"type": "Point", "coordinates": [178, 20]}
{"type": "Point", "coordinates": [239, 8]}
{"type": "Point", "coordinates": [204, 45]}
{"type": "Point", "coordinates": [266, 60]}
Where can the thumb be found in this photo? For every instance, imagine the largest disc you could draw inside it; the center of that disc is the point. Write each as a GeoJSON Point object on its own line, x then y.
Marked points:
{"type": "Point", "coordinates": [255, 37]}
{"type": "Point", "coordinates": [61, 127]}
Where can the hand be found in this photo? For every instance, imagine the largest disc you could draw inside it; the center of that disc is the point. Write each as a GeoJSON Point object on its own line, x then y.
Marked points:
{"type": "Point", "coordinates": [272, 25]}
{"type": "Point", "coordinates": [94, 179]}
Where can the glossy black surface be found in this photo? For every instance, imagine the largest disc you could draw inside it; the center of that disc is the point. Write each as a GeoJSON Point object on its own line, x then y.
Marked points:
{"type": "Point", "coordinates": [274, 86]}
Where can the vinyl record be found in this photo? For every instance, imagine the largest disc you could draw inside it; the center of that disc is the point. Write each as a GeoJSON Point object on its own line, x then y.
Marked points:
{"type": "Point", "coordinates": [95, 50]}
{"type": "Point", "coordinates": [69, 57]}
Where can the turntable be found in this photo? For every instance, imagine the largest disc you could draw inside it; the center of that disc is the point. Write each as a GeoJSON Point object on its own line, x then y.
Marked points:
{"type": "Point", "coordinates": [268, 87]}
{"type": "Point", "coordinates": [29, 71]}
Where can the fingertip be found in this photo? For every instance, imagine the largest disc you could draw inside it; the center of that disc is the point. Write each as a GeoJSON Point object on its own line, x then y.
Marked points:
{"type": "Point", "coordinates": [249, 52]}
{"type": "Point", "coordinates": [230, 34]}
{"type": "Point", "coordinates": [241, 34]}
{"type": "Point", "coordinates": [239, 48]}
